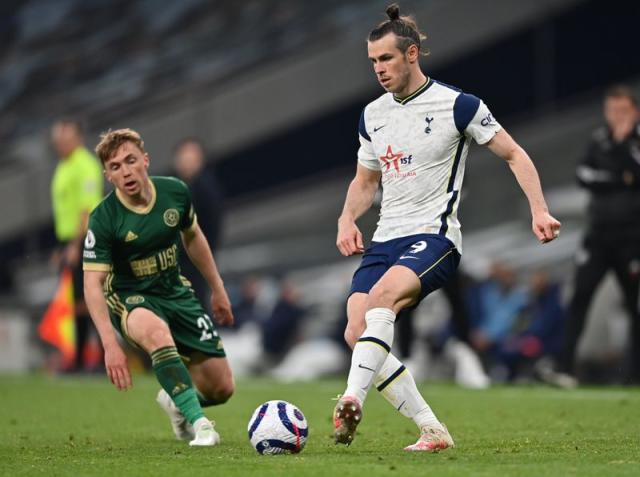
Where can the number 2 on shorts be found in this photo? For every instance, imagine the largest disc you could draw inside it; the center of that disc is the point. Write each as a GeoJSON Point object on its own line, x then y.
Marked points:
{"type": "Point", "coordinates": [205, 324]}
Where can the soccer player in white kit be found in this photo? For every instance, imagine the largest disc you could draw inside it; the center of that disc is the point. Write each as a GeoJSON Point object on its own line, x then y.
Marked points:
{"type": "Point", "coordinates": [414, 140]}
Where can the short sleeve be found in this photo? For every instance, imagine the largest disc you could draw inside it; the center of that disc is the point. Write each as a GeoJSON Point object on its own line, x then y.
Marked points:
{"type": "Point", "coordinates": [97, 246]}
{"type": "Point", "coordinates": [473, 118]}
{"type": "Point", "coordinates": [188, 217]}
{"type": "Point", "coordinates": [366, 155]}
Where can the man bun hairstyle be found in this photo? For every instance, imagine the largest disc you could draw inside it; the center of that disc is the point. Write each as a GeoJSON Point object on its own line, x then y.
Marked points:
{"type": "Point", "coordinates": [393, 11]}
{"type": "Point", "coordinates": [404, 27]}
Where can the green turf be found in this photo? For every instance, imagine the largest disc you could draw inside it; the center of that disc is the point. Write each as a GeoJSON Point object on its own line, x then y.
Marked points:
{"type": "Point", "coordinates": [83, 426]}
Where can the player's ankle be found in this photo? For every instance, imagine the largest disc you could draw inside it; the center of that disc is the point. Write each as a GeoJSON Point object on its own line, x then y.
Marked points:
{"type": "Point", "coordinates": [200, 422]}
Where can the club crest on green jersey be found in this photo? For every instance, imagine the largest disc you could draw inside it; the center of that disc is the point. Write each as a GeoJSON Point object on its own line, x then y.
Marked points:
{"type": "Point", "coordinates": [171, 217]}
{"type": "Point", "coordinates": [134, 299]}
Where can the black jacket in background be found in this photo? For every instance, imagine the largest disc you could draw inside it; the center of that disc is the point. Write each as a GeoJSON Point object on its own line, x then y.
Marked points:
{"type": "Point", "coordinates": [614, 206]}
{"type": "Point", "coordinates": [207, 202]}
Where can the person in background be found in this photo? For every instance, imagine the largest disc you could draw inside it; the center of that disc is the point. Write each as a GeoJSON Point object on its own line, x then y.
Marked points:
{"type": "Point", "coordinates": [190, 166]}
{"type": "Point", "coordinates": [280, 330]}
{"type": "Point", "coordinates": [76, 189]}
{"type": "Point", "coordinates": [538, 336]}
{"type": "Point", "coordinates": [610, 172]}
{"type": "Point", "coordinates": [497, 304]}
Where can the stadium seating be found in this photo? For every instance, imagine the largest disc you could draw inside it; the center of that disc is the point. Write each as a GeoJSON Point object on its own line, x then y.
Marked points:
{"type": "Point", "coordinates": [96, 58]}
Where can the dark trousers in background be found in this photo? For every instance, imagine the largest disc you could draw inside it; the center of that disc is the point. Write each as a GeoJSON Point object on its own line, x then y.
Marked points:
{"type": "Point", "coordinates": [84, 326]}
{"type": "Point", "coordinates": [599, 255]}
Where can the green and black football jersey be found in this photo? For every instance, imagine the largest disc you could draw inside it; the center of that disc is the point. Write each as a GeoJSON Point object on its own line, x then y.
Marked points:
{"type": "Point", "coordinates": [139, 246]}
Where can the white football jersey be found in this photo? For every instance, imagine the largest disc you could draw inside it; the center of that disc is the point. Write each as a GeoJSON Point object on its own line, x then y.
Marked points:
{"type": "Point", "coordinates": [420, 145]}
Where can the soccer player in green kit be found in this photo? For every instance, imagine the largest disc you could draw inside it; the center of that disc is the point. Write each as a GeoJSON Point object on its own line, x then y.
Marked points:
{"type": "Point", "coordinates": [132, 281]}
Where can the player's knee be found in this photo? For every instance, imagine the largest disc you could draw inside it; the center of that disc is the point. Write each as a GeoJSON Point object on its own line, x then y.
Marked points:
{"type": "Point", "coordinates": [381, 296]}
{"type": "Point", "coordinates": [220, 393]}
{"type": "Point", "coordinates": [159, 337]}
{"type": "Point", "coordinates": [350, 337]}
{"type": "Point", "coordinates": [225, 392]}
{"type": "Point", "coordinates": [353, 332]}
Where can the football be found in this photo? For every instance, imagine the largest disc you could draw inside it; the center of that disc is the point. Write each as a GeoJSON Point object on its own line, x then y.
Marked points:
{"type": "Point", "coordinates": [278, 427]}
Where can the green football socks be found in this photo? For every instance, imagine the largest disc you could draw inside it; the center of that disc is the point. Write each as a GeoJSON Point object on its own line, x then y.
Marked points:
{"type": "Point", "coordinates": [175, 379]}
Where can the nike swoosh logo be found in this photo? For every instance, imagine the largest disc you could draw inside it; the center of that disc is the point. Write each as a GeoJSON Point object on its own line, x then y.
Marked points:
{"type": "Point", "coordinates": [378, 128]}
{"type": "Point", "coordinates": [364, 367]}
{"type": "Point", "coordinates": [407, 256]}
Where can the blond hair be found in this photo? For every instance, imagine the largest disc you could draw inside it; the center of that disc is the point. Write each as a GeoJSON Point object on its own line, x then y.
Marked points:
{"type": "Point", "coordinates": [111, 141]}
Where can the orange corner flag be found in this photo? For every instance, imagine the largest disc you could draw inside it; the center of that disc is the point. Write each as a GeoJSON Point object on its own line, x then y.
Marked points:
{"type": "Point", "coordinates": [57, 325]}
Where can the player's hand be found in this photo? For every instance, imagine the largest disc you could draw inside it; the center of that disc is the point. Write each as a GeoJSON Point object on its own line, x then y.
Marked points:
{"type": "Point", "coordinates": [117, 367]}
{"type": "Point", "coordinates": [349, 239]}
{"type": "Point", "coordinates": [221, 307]}
{"type": "Point", "coordinates": [545, 227]}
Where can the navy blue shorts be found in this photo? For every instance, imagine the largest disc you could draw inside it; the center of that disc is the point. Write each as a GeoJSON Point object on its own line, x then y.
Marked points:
{"type": "Point", "coordinates": [433, 258]}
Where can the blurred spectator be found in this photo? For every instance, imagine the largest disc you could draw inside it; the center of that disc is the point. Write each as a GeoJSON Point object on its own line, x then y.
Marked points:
{"type": "Point", "coordinates": [280, 330]}
{"type": "Point", "coordinates": [610, 171]}
{"type": "Point", "coordinates": [267, 322]}
{"type": "Point", "coordinates": [76, 188]}
{"type": "Point", "coordinates": [495, 306]}
{"type": "Point", "coordinates": [246, 309]}
{"type": "Point", "coordinates": [540, 331]}
{"type": "Point", "coordinates": [190, 166]}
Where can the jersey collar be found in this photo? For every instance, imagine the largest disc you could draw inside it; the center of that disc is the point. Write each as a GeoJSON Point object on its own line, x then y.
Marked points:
{"type": "Point", "coordinates": [137, 208]}
{"type": "Point", "coordinates": [415, 94]}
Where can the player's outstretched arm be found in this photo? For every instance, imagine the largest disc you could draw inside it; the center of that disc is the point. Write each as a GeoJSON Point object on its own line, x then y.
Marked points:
{"type": "Point", "coordinates": [544, 225]}
{"type": "Point", "coordinates": [197, 247]}
{"type": "Point", "coordinates": [115, 359]}
{"type": "Point", "coordinates": [360, 195]}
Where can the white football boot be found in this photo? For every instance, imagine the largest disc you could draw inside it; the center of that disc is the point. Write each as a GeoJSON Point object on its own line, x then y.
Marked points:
{"type": "Point", "coordinates": [206, 434]}
{"type": "Point", "coordinates": [432, 439]}
{"type": "Point", "coordinates": [181, 427]}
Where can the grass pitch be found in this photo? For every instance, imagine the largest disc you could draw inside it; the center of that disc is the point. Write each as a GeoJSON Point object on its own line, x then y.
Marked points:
{"type": "Point", "coordinates": [83, 426]}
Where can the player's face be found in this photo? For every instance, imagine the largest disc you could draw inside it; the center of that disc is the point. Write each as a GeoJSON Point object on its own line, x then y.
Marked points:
{"type": "Point", "coordinates": [391, 65]}
{"type": "Point", "coordinates": [127, 169]}
{"type": "Point", "coordinates": [620, 113]}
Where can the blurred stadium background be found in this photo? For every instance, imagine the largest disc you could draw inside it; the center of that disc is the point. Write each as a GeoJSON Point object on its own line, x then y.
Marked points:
{"type": "Point", "coordinates": [275, 89]}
